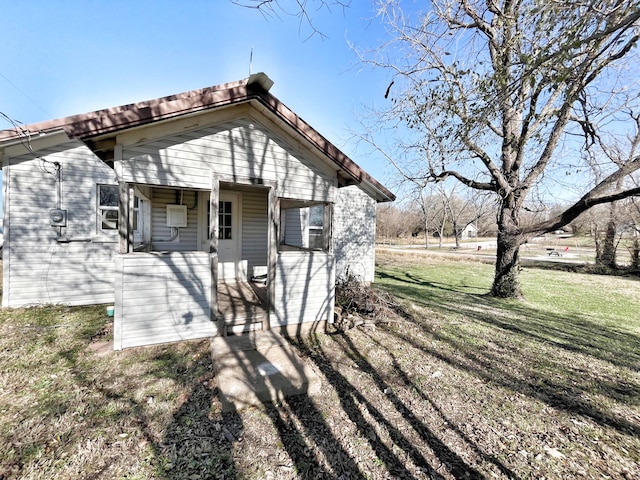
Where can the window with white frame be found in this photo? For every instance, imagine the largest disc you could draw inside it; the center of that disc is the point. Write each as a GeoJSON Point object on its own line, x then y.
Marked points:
{"type": "Point", "coordinates": [316, 227]}
{"type": "Point", "coordinates": [108, 208]}
{"type": "Point", "coordinates": [302, 226]}
{"type": "Point", "coordinates": [225, 217]}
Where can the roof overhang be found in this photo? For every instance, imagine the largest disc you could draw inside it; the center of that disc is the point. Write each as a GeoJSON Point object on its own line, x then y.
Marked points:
{"type": "Point", "coordinates": [98, 130]}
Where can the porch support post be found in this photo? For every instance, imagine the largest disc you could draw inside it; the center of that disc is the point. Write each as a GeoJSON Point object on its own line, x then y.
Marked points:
{"type": "Point", "coordinates": [274, 229]}
{"type": "Point", "coordinates": [213, 253]}
{"type": "Point", "coordinates": [125, 219]}
{"type": "Point", "coordinates": [327, 230]}
{"type": "Point", "coordinates": [118, 314]}
{"type": "Point", "coordinates": [125, 206]}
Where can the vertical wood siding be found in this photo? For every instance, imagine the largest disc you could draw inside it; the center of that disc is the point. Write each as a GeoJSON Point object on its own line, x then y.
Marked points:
{"type": "Point", "coordinates": [354, 233]}
{"type": "Point", "coordinates": [304, 288]}
{"type": "Point", "coordinates": [162, 297]}
{"type": "Point", "coordinates": [239, 149]}
{"type": "Point", "coordinates": [38, 269]}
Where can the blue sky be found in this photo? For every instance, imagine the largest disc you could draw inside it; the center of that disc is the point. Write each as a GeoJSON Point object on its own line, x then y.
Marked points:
{"type": "Point", "coordinates": [61, 58]}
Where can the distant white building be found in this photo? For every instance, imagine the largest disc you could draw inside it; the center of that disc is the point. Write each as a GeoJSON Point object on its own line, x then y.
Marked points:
{"type": "Point", "coordinates": [470, 231]}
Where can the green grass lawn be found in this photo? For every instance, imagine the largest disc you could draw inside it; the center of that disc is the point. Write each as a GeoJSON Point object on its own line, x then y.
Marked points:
{"type": "Point", "coordinates": [469, 386]}
{"type": "Point", "coordinates": [572, 346]}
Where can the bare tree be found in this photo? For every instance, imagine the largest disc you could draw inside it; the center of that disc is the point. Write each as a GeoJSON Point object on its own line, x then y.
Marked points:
{"type": "Point", "coordinates": [509, 97]}
{"type": "Point", "coordinates": [463, 210]}
{"type": "Point", "coordinates": [303, 10]}
{"type": "Point", "coordinates": [429, 210]}
{"type": "Point", "coordinates": [390, 222]}
{"type": "Point", "coordinates": [633, 211]}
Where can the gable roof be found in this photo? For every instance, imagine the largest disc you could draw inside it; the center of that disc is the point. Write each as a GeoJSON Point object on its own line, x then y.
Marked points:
{"type": "Point", "coordinates": [88, 127]}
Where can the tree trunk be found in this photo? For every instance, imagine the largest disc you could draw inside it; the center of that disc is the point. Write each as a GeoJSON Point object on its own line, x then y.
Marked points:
{"type": "Point", "coordinates": [440, 235]}
{"type": "Point", "coordinates": [606, 255]}
{"type": "Point", "coordinates": [456, 234]}
{"type": "Point", "coordinates": [426, 235]}
{"type": "Point", "coordinates": [505, 281]}
{"type": "Point", "coordinates": [635, 254]}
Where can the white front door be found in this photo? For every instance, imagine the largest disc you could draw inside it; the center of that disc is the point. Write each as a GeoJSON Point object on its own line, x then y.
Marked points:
{"type": "Point", "coordinates": [230, 264]}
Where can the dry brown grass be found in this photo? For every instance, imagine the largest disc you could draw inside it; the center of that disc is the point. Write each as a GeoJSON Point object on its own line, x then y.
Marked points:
{"type": "Point", "coordinates": [468, 388]}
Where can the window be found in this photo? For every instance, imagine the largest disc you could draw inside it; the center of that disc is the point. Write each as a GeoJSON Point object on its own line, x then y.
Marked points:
{"type": "Point", "coordinates": [302, 226]}
{"type": "Point", "coordinates": [224, 220]}
{"type": "Point", "coordinates": [108, 200]}
{"type": "Point", "coordinates": [108, 213]}
{"type": "Point", "coordinates": [316, 223]}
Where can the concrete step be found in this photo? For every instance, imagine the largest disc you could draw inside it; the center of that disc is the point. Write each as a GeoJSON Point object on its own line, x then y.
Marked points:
{"type": "Point", "coordinates": [240, 328]}
{"type": "Point", "coordinates": [259, 367]}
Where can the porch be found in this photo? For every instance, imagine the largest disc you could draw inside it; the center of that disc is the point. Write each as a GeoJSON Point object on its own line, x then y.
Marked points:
{"type": "Point", "coordinates": [184, 273]}
{"type": "Point", "coordinates": [242, 307]}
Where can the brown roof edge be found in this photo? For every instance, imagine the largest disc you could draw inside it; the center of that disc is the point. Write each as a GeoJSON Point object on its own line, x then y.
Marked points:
{"type": "Point", "coordinates": [111, 120]}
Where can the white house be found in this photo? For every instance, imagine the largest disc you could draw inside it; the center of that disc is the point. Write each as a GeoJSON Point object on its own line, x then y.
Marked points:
{"type": "Point", "coordinates": [115, 206]}
{"type": "Point", "coordinates": [470, 231]}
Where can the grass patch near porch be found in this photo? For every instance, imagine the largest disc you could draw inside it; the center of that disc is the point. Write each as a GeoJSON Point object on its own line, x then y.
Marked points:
{"type": "Point", "coordinates": [469, 387]}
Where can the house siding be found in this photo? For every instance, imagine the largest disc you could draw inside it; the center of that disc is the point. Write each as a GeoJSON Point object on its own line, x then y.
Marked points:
{"type": "Point", "coordinates": [296, 231]}
{"type": "Point", "coordinates": [354, 231]}
{"type": "Point", "coordinates": [187, 237]}
{"type": "Point", "coordinates": [162, 297]}
{"type": "Point", "coordinates": [255, 228]}
{"type": "Point", "coordinates": [239, 149]}
{"type": "Point", "coordinates": [38, 268]}
{"type": "Point", "coordinates": [166, 295]}
{"type": "Point", "coordinates": [304, 288]}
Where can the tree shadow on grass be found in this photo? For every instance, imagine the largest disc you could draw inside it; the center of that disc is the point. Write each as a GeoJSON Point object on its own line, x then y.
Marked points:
{"type": "Point", "coordinates": [533, 371]}
{"type": "Point", "coordinates": [304, 434]}
{"type": "Point", "coordinates": [193, 443]}
{"type": "Point", "coordinates": [298, 421]}
{"type": "Point", "coordinates": [405, 379]}
{"type": "Point", "coordinates": [570, 332]}
{"type": "Point", "coordinates": [354, 402]}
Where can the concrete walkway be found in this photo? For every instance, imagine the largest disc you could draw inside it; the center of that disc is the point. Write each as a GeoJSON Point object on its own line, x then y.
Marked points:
{"type": "Point", "coordinates": [259, 367]}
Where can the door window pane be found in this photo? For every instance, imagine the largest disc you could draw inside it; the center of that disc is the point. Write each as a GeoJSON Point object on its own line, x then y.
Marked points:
{"type": "Point", "coordinates": [224, 220]}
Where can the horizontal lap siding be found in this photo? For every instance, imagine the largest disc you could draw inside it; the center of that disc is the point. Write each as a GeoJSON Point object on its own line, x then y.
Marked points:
{"type": "Point", "coordinates": [187, 239]}
{"type": "Point", "coordinates": [295, 232]}
{"type": "Point", "coordinates": [354, 230]}
{"type": "Point", "coordinates": [73, 274]}
{"type": "Point", "coordinates": [304, 287]}
{"type": "Point", "coordinates": [255, 228]}
{"type": "Point", "coordinates": [239, 149]}
{"type": "Point", "coordinates": [38, 269]}
{"type": "Point", "coordinates": [162, 298]}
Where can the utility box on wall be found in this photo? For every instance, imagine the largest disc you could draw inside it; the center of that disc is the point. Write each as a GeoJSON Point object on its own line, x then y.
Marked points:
{"type": "Point", "coordinates": [57, 217]}
{"type": "Point", "coordinates": [176, 216]}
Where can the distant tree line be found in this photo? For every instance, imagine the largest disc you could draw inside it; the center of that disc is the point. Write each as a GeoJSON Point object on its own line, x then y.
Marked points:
{"type": "Point", "coordinates": [436, 214]}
